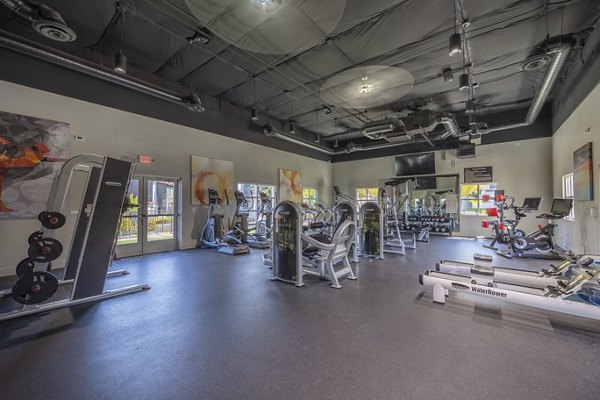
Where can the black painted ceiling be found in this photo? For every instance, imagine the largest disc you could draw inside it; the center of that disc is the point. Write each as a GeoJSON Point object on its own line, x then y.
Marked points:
{"type": "Point", "coordinates": [284, 62]}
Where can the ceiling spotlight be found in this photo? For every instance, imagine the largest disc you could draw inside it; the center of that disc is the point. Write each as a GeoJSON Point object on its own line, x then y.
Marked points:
{"type": "Point", "coordinates": [121, 63]}
{"type": "Point", "coordinates": [200, 37]}
{"type": "Point", "coordinates": [336, 144]}
{"type": "Point", "coordinates": [448, 75]}
{"type": "Point", "coordinates": [455, 44]}
{"type": "Point", "coordinates": [318, 138]}
{"type": "Point", "coordinates": [292, 130]}
{"type": "Point", "coordinates": [120, 59]}
{"type": "Point", "coordinates": [470, 106]}
{"type": "Point", "coordinates": [193, 103]}
{"type": "Point", "coordinates": [254, 114]}
{"type": "Point", "coordinates": [326, 110]}
{"type": "Point", "coordinates": [350, 148]}
{"type": "Point", "coordinates": [463, 82]}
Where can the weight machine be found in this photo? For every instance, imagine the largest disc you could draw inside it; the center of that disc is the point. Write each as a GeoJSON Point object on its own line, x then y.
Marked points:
{"type": "Point", "coordinates": [371, 235]}
{"type": "Point", "coordinates": [393, 242]}
{"type": "Point", "coordinates": [295, 253]}
{"type": "Point", "coordinates": [92, 243]}
{"type": "Point", "coordinates": [343, 211]}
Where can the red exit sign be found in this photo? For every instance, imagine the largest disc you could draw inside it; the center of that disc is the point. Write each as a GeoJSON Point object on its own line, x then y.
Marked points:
{"type": "Point", "coordinates": [145, 159]}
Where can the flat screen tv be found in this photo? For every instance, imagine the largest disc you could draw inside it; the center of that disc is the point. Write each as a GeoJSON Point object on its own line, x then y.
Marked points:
{"type": "Point", "coordinates": [415, 164]}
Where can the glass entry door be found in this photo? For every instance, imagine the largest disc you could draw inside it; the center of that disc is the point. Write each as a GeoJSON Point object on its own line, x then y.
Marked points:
{"type": "Point", "coordinates": [149, 226]}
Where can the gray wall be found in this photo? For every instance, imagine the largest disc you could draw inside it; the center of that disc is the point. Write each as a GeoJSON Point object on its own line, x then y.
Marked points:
{"type": "Point", "coordinates": [111, 132]}
{"type": "Point", "coordinates": [522, 169]}
{"type": "Point", "coordinates": [581, 235]}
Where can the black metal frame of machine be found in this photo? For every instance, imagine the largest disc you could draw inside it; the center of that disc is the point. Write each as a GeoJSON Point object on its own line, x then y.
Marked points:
{"type": "Point", "coordinates": [92, 243]}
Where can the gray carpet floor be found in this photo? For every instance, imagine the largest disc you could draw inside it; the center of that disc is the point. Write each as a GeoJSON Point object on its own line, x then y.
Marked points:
{"type": "Point", "coordinates": [215, 327]}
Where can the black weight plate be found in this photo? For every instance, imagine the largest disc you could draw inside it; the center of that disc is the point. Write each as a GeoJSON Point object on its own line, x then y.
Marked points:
{"type": "Point", "coordinates": [45, 250]}
{"type": "Point", "coordinates": [52, 219]}
{"type": "Point", "coordinates": [34, 287]}
{"type": "Point", "coordinates": [27, 265]}
{"type": "Point", "coordinates": [34, 237]}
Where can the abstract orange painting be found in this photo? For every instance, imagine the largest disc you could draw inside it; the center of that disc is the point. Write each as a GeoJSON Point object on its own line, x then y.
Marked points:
{"type": "Point", "coordinates": [208, 173]}
{"type": "Point", "coordinates": [290, 186]}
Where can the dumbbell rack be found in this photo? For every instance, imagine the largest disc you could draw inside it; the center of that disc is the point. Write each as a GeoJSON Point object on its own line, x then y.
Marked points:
{"type": "Point", "coordinates": [441, 225]}
{"type": "Point", "coordinates": [92, 243]}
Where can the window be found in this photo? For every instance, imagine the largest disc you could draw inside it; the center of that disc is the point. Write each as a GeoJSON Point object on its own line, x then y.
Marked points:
{"type": "Point", "coordinates": [568, 192]}
{"type": "Point", "coordinates": [471, 198]}
{"type": "Point", "coordinates": [309, 196]}
{"type": "Point", "coordinates": [366, 194]}
{"type": "Point", "coordinates": [252, 193]}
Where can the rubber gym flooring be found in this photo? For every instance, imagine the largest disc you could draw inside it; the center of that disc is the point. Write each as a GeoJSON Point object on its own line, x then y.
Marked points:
{"type": "Point", "coordinates": [214, 326]}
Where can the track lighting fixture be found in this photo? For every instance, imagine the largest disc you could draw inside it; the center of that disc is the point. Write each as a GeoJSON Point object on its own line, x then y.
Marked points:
{"type": "Point", "coordinates": [120, 59]}
{"type": "Point", "coordinates": [318, 138]}
{"type": "Point", "coordinates": [292, 130]}
{"type": "Point", "coordinates": [254, 114]}
{"type": "Point", "coordinates": [121, 63]}
{"type": "Point", "coordinates": [455, 44]}
{"type": "Point", "coordinates": [448, 75]}
{"type": "Point", "coordinates": [470, 106]}
{"type": "Point", "coordinates": [336, 144]}
{"type": "Point", "coordinates": [463, 81]}
{"type": "Point", "coordinates": [455, 41]}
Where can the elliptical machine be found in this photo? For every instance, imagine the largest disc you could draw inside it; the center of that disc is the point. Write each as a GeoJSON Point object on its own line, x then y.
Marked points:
{"type": "Point", "coordinates": [213, 230]}
{"type": "Point", "coordinates": [238, 229]}
{"type": "Point", "coordinates": [260, 237]}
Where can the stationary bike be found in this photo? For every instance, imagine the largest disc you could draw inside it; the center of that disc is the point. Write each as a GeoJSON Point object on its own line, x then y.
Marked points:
{"type": "Point", "coordinates": [541, 240]}
{"type": "Point", "coordinates": [504, 229]}
{"type": "Point", "coordinates": [540, 244]}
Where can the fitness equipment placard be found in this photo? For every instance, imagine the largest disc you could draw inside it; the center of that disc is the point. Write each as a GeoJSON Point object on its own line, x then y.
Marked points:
{"type": "Point", "coordinates": [478, 174]}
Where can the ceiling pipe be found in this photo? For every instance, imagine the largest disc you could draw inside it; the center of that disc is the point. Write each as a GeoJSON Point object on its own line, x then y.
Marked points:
{"type": "Point", "coordinates": [46, 21]}
{"type": "Point", "coordinates": [559, 47]}
{"type": "Point", "coordinates": [270, 131]}
{"type": "Point", "coordinates": [48, 54]}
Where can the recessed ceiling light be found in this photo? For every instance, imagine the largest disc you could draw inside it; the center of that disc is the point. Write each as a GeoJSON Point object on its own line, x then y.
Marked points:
{"type": "Point", "coordinates": [266, 5]}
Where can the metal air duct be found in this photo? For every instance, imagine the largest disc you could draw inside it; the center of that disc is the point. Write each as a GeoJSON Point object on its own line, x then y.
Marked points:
{"type": "Point", "coordinates": [45, 53]}
{"type": "Point", "coordinates": [45, 20]}
{"type": "Point", "coordinates": [558, 47]}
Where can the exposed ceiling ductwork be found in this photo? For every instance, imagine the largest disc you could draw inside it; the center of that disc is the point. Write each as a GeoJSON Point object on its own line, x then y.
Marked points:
{"type": "Point", "coordinates": [404, 129]}
{"type": "Point", "coordinates": [45, 21]}
{"type": "Point", "coordinates": [558, 48]}
{"type": "Point", "coordinates": [27, 47]}
{"type": "Point", "coordinates": [395, 131]}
